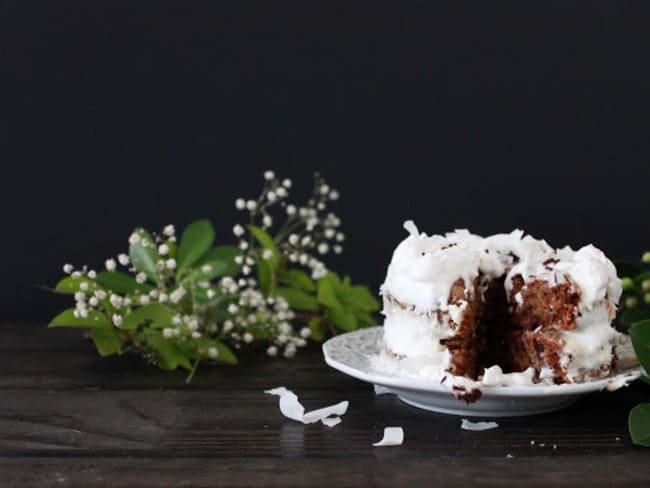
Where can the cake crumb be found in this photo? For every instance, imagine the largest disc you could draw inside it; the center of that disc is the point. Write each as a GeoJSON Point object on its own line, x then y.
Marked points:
{"type": "Point", "coordinates": [554, 447]}
{"type": "Point", "coordinates": [532, 443]}
{"type": "Point", "coordinates": [617, 439]}
{"type": "Point", "coordinates": [542, 445]}
{"type": "Point", "coordinates": [509, 456]}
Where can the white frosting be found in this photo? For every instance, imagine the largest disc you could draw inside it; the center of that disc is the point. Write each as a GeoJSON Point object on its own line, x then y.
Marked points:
{"type": "Point", "coordinates": [424, 268]}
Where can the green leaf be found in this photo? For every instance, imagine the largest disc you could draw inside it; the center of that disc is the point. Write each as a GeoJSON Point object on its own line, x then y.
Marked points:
{"type": "Point", "coordinates": [266, 277]}
{"type": "Point", "coordinates": [168, 354]}
{"type": "Point", "coordinates": [625, 268]}
{"type": "Point", "coordinates": [201, 295]}
{"type": "Point", "coordinates": [365, 319]}
{"type": "Point", "coordinates": [208, 271]}
{"type": "Point", "coordinates": [632, 315]}
{"type": "Point", "coordinates": [361, 297]}
{"type": "Point", "coordinates": [640, 335]}
{"type": "Point", "coordinates": [107, 341]}
{"type": "Point", "coordinates": [318, 329]}
{"type": "Point", "coordinates": [121, 283]}
{"type": "Point", "coordinates": [641, 277]}
{"type": "Point", "coordinates": [298, 299]}
{"type": "Point", "coordinates": [267, 242]}
{"type": "Point", "coordinates": [144, 258]}
{"type": "Point", "coordinates": [225, 254]}
{"type": "Point", "coordinates": [343, 319]}
{"type": "Point", "coordinates": [67, 319]}
{"type": "Point", "coordinates": [195, 242]}
{"type": "Point", "coordinates": [298, 279]}
{"type": "Point", "coordinates": [70, 285]}
{"type": "Point", "coordinates": [639, 424]}
{"type": "Point", "coordinates": [224, 353]}
{"type": "Point", "coordinates": [154, 314]}
{"type": "Point", "coordinates": [327, 288]}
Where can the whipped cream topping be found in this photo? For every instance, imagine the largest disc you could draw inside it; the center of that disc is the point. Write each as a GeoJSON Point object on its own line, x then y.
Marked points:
{"type": "Point", "coordinates": [424, 268]}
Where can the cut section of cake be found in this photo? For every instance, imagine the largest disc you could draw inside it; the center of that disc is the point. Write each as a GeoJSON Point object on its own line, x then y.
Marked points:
{"type": "Point", "coordinates": [506, 309]}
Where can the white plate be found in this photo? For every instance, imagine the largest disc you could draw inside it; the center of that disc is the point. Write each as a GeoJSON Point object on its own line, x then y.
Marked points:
{"type": "Point", "coordinates": [351, 354]}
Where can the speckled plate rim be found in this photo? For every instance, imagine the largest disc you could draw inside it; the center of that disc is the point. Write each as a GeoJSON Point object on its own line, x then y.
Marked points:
{"type": "Point", "coordinates": [351, 352]}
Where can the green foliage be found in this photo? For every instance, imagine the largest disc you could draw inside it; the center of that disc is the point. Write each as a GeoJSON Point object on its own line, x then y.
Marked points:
{"type": "Point", "coordinates": [144, 255]}
{"type": "Point", "coordinates": [183, 304]}
{"type": "Point", "coordinates": [636, 317]}
{"type": "Point", "coordinates": [94, 320]}
{"type": "Point", "coordinates": [107, 341]}
{"type": "Point", "coordinates": [195, 242]}
{"type": "Point", "coordinates": [122, 283]}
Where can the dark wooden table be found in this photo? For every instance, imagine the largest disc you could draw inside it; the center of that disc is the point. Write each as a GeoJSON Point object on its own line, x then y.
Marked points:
{"type": "Point", "coordinates": [70, 417]}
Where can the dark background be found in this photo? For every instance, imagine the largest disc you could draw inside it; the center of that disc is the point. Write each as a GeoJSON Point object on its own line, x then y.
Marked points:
{"type": "Point", "coordinates": [476, 115]}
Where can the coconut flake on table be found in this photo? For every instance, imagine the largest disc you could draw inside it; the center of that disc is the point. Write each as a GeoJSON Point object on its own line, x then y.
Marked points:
{"type": "Point", "coordinates": [291, 408]}
{"type": "Point", "coordinates": [393, 436]}
{"type": "Point", "coordinates": [477, 426]}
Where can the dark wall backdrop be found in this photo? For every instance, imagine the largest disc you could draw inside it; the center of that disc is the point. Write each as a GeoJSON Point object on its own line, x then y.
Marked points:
{"type": "Point", "coordinates": [460, 114]}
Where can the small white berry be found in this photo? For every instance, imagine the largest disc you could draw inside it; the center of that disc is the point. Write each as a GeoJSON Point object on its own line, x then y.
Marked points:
{"type": "Point", "coordinates": [238, 230]}
{"type": "Point", "coordinates": [163, 297]}
{"type": "Point", "coordinates": [83, 286]}
{"type": "Point", "coordinates": [92, 274]}
{"type": "Point", "coordinates": [170, 264]}
{"type": "Point", "coordinates": [243, 245]}
{"type": "Point", "coordinates": [240, 204]}
{"type": "Point", "coordinates": [337, 249]}
{"type": "Point", "coordinates": [117, 320]}
{"type": "Point", "coordinates": [305, 240]}
{"type": "Point", "coordinates": [334, 195]}
{"type": "Point", "coordinates": [291, 209]}
{"type": "Point", "coordinates": [267, 254]}
{"type": "Point", "coordinates": [272, 351]}
{"type": "Point", "coordinates": [271, 196]}
{"type": "Point", "coordinates": [267, 221]}
{"type": "Point", "coordinates": [163, 249]}
{"type": "Point", "coordinates": [324, 189]}
{"type": "Point", "coordinates": [134, 238]}
{"type": "Point", "coordinates": [287, 183]}
{"type": "Point", "coordinates": [169, 230]}
{"type": "Point", "coordinates": [67, 268]}
{"type": "Point", "coordinates": [110, 264]}
{"type": "Point", "coordinates": [269, 175]}
{"type": "Point", "coordinates": [233, 309]}
{"type": "Point", "coordinates": [168, 333]}
{"type": "Point", "coordinates": [123, 259]}
{"type": "Point", "coordinates": [145, 300]}
{"type": "Point", "coordinates": [196, 335]}
{"type": "Point", "coordinates": [305, 332]}
{"type": "Point", "coordinates": [323, 248]}
{"type": "Point", "coordinates": [213, 353]}
{"type": "Point", "coordinates": [340, 237]}
{"type": "Point", "coordinates": [281, 192]}
{"type": "Point", "coordinates": [251, 205]}
{"type": "Point", "coordinates": [293, 239]}
{"type": "Point", "coordinates": [248, 337]}
{"type": "Point", "coordinates": [140, 278]}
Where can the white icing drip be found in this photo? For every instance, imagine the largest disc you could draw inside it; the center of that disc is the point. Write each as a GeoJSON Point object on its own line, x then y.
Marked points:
{"type": "Point", "coordinates": [590, 345]}
{"type": "Point", "coordinates": [416, 335]}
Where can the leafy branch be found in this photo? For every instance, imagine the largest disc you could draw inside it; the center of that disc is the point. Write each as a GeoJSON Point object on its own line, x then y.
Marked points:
{"type": "Point", "coordinates": [182, 304]}
{"type": "Point", "coordinates": [636, 317]}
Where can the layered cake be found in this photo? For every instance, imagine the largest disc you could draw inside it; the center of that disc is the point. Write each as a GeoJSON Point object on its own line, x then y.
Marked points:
{"type": "Point", "coordinates": [506, 309]}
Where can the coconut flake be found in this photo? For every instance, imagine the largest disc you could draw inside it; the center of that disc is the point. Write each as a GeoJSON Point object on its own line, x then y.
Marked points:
{"type": "Point", "coordinates": [477, 426]}
{"type": "Point", "coordinates": [291, 408]}
{"type": "Point", "coordinates": [393, 436]}
{"type": "Point", "coordinates": [382, 390]}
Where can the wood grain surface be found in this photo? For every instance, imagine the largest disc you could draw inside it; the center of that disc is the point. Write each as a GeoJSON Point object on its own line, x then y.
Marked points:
{"type": "Point", "coordinates": [71, 418]}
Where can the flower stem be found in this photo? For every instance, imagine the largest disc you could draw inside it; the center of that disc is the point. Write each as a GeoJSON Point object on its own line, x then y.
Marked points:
{"type": "Point", "coordinates": [188, 380]}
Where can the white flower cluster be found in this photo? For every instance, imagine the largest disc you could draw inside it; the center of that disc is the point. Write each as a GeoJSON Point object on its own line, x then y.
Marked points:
{"type": "Point", "coordinates": [308, 231]}
{"type": "Point", "coordinates": [249, 314]}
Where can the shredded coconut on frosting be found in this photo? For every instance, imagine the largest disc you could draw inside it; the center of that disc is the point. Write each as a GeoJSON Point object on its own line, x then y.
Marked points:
{"type": "Point", "coordinates": [424, 268]}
